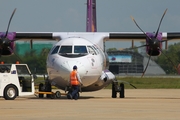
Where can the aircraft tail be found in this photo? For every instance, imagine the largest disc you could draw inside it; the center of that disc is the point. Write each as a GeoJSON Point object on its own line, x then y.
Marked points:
{"type": "Point", "coordinates": [91, 16]}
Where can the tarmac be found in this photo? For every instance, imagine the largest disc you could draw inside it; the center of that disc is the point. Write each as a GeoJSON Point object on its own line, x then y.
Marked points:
{"type": "Point", "coordinates": [138, 104]}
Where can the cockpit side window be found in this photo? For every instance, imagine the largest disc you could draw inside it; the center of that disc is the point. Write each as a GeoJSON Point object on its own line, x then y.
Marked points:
{"type": "Point", "coordinates": [55, 50]}
{"type": "Point", "coordinates": [66, 49]}
{"type": "Point", "coordinates": [80, 49]}
{"type": "Point", "coordinates": [96, 49]}
{"type": "Point", "coordinates": [91, 50]}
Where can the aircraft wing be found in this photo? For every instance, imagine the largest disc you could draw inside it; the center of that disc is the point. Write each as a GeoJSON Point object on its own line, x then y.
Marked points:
{"type": "Point", "coordinates": [35, 35]}
{"type": "Point", "coordinates": [101, 35]}
{"type": "Point", "coordinates": [140, 35]}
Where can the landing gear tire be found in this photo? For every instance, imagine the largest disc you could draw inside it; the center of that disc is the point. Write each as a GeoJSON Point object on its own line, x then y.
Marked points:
{"type": "Point", "coordinates": [122, 90]}
{"type": "Point", "coordinates": [58, 94]}
{"type": "Point", "coordinates": [41, 88]}
{"type": "Point", "coordinates": [114, 93]}
{"type": "Point", "coordinates": [10, 92]}
{"type": "Point", "coordinates": [52, 96]}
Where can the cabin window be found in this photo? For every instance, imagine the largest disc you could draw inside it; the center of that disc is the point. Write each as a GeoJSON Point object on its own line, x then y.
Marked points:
{"type": "Point", "coordinates": [55, 50]}
{"type": "Point", "coordinates": [80, 49]}
{"type": "Point", "coordinates": [66, 49]}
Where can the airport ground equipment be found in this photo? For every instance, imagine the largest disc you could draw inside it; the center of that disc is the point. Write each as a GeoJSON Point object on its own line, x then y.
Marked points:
{"type": "Point", "coordinates": [15, 80]}
{"type": "Point", "coordinates": [45, 89]}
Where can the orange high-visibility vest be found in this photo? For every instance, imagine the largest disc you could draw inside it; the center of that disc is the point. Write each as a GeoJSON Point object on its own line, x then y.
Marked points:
{"type": "Point", "coordinates": [73, 78]}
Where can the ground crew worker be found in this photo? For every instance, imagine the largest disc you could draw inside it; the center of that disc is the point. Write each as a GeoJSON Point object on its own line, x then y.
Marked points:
{"type": "Point", "coordinates": [75, 81]}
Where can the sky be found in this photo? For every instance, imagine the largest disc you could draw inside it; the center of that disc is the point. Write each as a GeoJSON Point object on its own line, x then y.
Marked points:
{"type": "Point", "coordinates": [70, 16]}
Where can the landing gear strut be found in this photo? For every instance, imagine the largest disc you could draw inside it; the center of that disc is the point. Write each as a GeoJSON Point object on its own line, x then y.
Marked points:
{"type": "Point", "coordinates": [117, 88]}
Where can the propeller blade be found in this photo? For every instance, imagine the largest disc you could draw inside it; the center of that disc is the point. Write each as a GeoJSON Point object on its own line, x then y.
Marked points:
{"type": "Point", "coordinates": [166, 43]}
{"type": "Point", "coordinates": [140, 46]}
{"type": "Point", "coordinates": [127, 83]}
{"type": "Point", "coordinates": [136, 47]}
{"type": "Point", "coordinates": [169, 59]}
{"type": "Point", "coordinates": [160, 23]}
{"type": "Point", "coordinates": [146, 66]}
{"type": "Point", "coordinates": [139, 27]}
{"type": "Point", "coordinates": [9, 23]}
{"type": "Point", "coordinates": [15, 54]}
{"type": "Point", "coordinates": [31, 44]}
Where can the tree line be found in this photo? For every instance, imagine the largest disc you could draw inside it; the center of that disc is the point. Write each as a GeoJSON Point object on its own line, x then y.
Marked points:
{"type": "Point", "coordinates": [36, 62]}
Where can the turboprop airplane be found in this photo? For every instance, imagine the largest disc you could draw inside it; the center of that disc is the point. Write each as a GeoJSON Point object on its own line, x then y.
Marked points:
{"type": "Point", "coordinates": [84, 49]}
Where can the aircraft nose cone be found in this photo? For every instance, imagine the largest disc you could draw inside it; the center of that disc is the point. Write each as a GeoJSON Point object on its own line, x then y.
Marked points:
{"type": "Point", "coordinates": [68, 65]}
{"type": "Point", "coordinates": [80, 66]}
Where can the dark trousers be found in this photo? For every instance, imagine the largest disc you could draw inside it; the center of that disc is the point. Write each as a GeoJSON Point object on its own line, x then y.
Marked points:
{"type": "Point", "coordinates": [75, 90]}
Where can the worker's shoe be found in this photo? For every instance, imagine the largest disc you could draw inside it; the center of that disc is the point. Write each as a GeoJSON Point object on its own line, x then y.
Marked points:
{"type": "Point", "coordinates": [70, 96]}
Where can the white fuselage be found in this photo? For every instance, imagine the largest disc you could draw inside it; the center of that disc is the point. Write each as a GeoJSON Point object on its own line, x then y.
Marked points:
{"type": "Point", "coordinates": [88, 57]}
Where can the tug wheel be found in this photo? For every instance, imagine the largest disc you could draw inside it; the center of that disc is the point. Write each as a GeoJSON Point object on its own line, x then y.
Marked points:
{"type": "Point", "coordinates": [10, 92]}
{"type": "Point", "coordinates": [52, 96]}
{"type": "Point", "coordinates": [58, 94]}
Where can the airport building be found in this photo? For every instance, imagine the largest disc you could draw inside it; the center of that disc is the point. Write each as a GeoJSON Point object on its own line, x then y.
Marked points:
{"type": "Point", "coordinates": [132, 63]}
{"type": "Point", "coordinates": [125, 62]}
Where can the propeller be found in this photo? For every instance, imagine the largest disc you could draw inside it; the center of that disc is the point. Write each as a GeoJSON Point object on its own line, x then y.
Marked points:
{"type": "Point", "coordinates": [4, 40]}
{"type": "Point", "coordinates": [153, 43]}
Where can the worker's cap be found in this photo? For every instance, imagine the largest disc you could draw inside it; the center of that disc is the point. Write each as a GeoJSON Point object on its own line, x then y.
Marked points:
{"type": "Point", "coordinates": [75, 67]}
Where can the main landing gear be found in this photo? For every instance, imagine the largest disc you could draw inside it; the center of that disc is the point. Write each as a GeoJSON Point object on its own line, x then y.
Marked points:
{"type": "Point", "coordinates": [119, 88]}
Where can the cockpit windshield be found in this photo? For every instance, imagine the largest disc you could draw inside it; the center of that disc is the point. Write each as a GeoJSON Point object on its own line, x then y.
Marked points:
{"type": "Point", "coordinates": [66, 49]}
{"type": "Point", "coordinates": [55, 50]}
{"type": "Point", "coordinates": [73, 51]}
{"type": "Point", "coordinates": [80, 49]}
